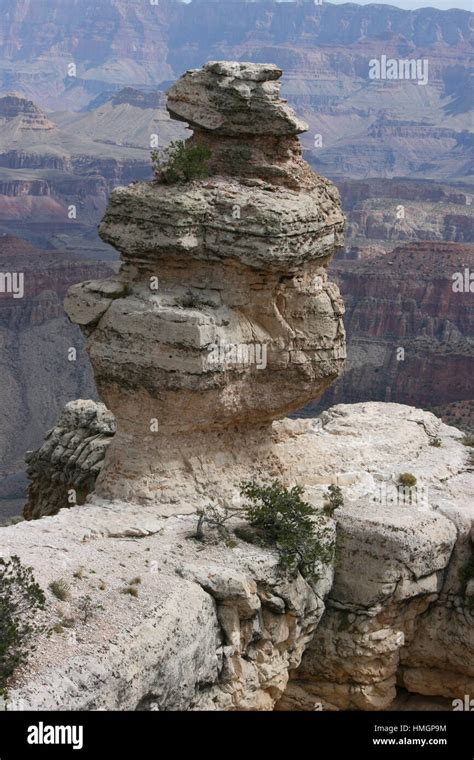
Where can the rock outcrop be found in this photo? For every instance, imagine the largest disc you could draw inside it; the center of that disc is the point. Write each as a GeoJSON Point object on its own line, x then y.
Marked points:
{"type": "Point", "coordinates": [64, 469]}
{"type": "Point", "coordinates": [222, 317]}
{"type": "Point", "coordinates": [26, 114]}
{"type": "Point", "coordinates": [401, 607]}
{"type": "Point", "coordinates": [218, 627]}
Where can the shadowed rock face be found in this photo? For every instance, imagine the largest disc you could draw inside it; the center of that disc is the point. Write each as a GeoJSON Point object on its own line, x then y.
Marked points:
{"type": "Point", "coordinates": [222, 318]}
{"type": "Point", "coordinates": [64, 469]}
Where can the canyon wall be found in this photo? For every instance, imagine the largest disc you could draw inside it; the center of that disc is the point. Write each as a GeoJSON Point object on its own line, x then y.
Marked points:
{"type": "Point", "coordinates": [410, 327]}
{"type": "Point", "coordinates": [38, 373]}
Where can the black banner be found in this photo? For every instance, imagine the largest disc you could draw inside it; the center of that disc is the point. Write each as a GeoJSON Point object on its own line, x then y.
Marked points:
{"type": "Point", "coordinates": [138, 734]}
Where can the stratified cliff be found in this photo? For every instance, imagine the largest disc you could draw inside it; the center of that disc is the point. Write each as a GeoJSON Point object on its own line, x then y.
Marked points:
{"type": "Point", "coordinates": [411, 329]}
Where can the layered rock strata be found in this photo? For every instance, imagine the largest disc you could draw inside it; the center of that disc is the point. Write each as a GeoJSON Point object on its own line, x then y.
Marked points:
{"type": "Point", "coordinates": [401, 609]}
{"type": "Point", "coordinates": [411, 326]}
{"type": "Point", "coordinates": [215, 626]}
{"type": "Point", "coordinates": [157, 620]}
{"type": "Point", "coordinates": [222, 317]}
{"type": "Point", "coordinates": [64, 469]}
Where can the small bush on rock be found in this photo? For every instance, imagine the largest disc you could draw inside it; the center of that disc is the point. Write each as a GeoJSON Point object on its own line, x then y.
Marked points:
{"type": "Point", "coordinates": [87, 608]}
{"type": "Point", "coordinates": [215, 518]}
{"type": "Point", "coordinates": [20, 599]}
{"type": "Point", "coordinates": [407, 480]}
{"type": "Point", "coordinates": [132, 590]}
{"type": "Point", "coordinates": [333, 499]}
{"type": "Point", "coordinates": [284, 520]}
{"type": "Point", "coordinates": [60, 589]}
{"type": "Point", "coordinates": [180, 162]}
{"type": "Point", "coordinates": [192, 301]}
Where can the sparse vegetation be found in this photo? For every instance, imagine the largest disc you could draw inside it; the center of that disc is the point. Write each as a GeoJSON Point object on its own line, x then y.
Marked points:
{"type": "Point", "coordinates": [435, 441]}
{"type": "Point", "coordinates": [468, 440]}
{"type": "Point", "coordinates": [215, 519]}
{"type": "Point", "coordinates": [284, 520]}
{"type": "Point", "coordinates": [407, 480]}
{"type": "Point", "coordinates": [79, 573]}
{"type": "Point", "coordinates": [132, 590]}
{"type": "Point", "coordinates": [87, 607]}
{"type": "Point", "coordinates": [60, 589]}
{"type": "Point", "coordinates": [180, 162]}
{"type": "Point", "coordinates": [193, 301]}
{"type": "Point", "coordinates": [135, 581]}
{"type": "Point", "coordinates": [20, 599]}
{"type": "Point", "coordinates": [333, 499]}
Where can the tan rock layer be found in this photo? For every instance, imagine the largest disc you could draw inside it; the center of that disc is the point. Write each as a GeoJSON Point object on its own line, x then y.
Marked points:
{"type": "Point", "coordinates": [234, 260]}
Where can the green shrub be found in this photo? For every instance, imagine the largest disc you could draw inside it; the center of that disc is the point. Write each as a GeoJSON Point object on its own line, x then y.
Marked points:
{"type": "Point", "coordinates": [435, 442]}
{"type": "Point", "coordinates": [87, 608]}
{"type": "Point", "coordinates": [20, 599]}
{"type": "Point", "coordinates": [215, 518]}
{"type": "Point", "coordinates": [180, 162]}
{"type": "Point", "coordinates": [60, 589]}
{"type": "Point", "coordinates": [284, 520]}
{"type": "Point", "coordinates": [468, 440]}
{"type": "Point", "coordinates": [407, 480]}
{"type": "Point", "coordinates": [333, 499]}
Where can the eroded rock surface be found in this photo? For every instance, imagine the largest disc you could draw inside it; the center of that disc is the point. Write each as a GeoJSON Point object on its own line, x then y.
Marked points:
{"type": "Point", "coordinates": [234, 262]}
{"type": "Point", "coordinates": [64, 469]}
{"type": "Point", "coordinates": [401, 609]}
{"type": "Point", "coordinates": [209, 627]}
{"type": "Point", "coordinates": [218, 627]}
{"type": "Point", "coordinates": [156, 619]}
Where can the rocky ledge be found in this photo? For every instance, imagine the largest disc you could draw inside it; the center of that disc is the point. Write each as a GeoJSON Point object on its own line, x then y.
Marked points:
{"type": "Point", "coordinates": [218, 627]}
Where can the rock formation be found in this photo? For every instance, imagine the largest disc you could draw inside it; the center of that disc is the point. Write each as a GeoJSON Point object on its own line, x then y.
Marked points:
{"type": "Point", "coordinates": [64, 469]}
{"type": "Point", "coordinates": [218, 627]}
{"type": "Point", "coordinates": [222, 317]}
{"type": "Point", "coordinates": [26, 114]}
{"type": "Point", "coordinates": [154, 619]}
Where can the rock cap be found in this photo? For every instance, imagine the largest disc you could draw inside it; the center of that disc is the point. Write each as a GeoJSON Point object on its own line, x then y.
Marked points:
{"type": "Point", "coordinates": [234, 98]}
